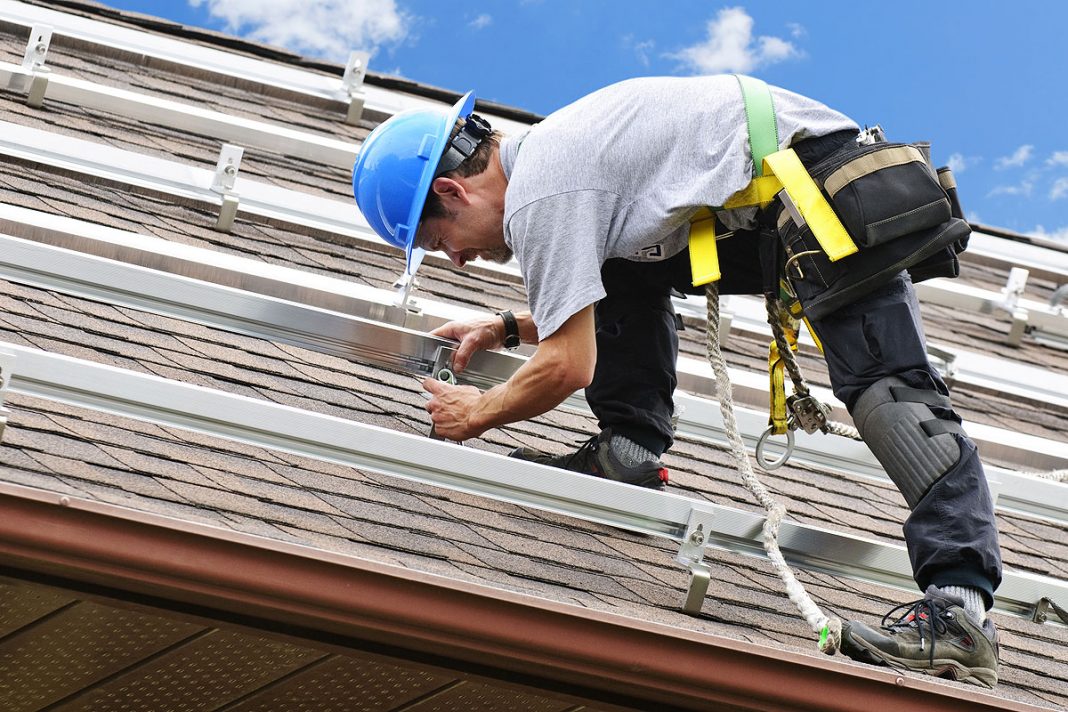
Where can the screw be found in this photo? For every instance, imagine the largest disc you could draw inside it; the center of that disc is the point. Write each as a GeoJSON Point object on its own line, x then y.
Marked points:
{"type": "Point", "coordinates": [697, 538]}
{"type": "Point", "coordinates": [899, 682]}
{"type": "Point", "coordinates": [1040, 618]}
{"type": "Point", "coordinates": [64, 501]}
{"type": "Point", "coordinates": [230, 170]}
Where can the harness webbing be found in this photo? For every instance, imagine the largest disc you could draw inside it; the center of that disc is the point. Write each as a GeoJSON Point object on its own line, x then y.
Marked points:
{"type": "Point", "coordinates": [775, 173]}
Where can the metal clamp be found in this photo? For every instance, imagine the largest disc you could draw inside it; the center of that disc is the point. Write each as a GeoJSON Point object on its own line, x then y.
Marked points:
{"type": "Point", "coordinates": [226, 170]}
{"type": "Point", "coordinates": [352, 85]}
{"type": "Point", "coordinates": [1044, 607]}
{"type": "Point", "coordinates": [809, 413]}
{"type": "Point", "coordinates": [405, 285]}
{"type": "Point", "coordinates": [7, 365]}
{"type": "Point", "coordinates": [691, 555]}
{"type": "Point", "coordinates": [442, 371]}
{"type": "Point", "coordinates": [33, 65]}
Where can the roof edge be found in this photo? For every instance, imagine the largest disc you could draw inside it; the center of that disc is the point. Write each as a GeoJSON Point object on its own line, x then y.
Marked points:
{"type": "Point", "coordinates": [277, 54]}
{"type": "Point", "coordinates": [102, 544]}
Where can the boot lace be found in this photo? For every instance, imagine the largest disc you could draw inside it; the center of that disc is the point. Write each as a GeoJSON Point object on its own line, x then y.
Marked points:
{"type": "Point", "coordinates": [926, 616]}
{"type": "Point", "coordinates": [580, 460]}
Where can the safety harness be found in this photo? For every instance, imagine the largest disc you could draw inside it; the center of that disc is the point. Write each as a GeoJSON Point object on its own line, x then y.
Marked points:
{"type": "Point", "coordinates": [777, 174]}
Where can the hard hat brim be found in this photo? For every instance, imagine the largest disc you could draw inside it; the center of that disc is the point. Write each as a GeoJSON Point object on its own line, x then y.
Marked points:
{"type": "Point", "coordinates": [414, 254]}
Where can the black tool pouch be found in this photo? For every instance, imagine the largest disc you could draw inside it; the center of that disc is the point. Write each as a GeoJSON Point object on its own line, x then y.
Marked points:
{"type": "Point", "coordinates": [899, 215]}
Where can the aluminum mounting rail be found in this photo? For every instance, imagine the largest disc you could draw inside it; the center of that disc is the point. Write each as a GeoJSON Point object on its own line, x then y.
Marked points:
{"type": "Point", "coordinates": [361, 323]}
{"type": "Point", "coordinates": [694, 524]}
{"type": "Point", "coordinates": [186, 117]}
{"type": "Point", "coordinates": [1043, 322]}
{"type": "Point", "coordinates": [342, 217]}
{"type": "Point", "coordinates": [196, 59]}
{"type": "Point", "coordinates": [1051, 263]}
{"type": "Point", "coordinates": [344, 296]}
{"type": "Point", "coordinates": [180, 180]}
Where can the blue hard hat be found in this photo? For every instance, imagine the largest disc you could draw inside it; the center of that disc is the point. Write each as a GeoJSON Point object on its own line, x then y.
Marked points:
{"type": "Point", "coordinates": [395, 168]}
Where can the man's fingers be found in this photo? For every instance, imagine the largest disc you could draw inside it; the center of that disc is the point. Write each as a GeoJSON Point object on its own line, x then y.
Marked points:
{"type": "Point", "coordinates": [434, 386]}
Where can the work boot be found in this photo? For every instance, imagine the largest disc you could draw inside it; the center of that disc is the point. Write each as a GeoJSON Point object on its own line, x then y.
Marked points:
{"type": "Point", "coordinates": [935, 636]}
{"type": "Point", "coordinates": [596, 457]}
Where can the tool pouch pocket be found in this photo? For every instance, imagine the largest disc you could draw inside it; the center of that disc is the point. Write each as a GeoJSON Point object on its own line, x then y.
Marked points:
{"type": "Point", "coordinates": [883, 192]}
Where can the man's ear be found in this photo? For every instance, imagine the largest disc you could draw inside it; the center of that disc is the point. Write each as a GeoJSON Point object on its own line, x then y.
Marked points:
{"type": "Point", "coordinates": [451, 192]}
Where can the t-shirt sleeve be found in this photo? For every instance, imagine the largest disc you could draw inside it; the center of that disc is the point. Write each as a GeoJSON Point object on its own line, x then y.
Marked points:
{"type": "Point", "coordinates": [559, 242]}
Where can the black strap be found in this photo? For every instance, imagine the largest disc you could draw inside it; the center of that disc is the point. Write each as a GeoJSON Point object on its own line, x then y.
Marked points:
{"type": "Point", "coordinates": [511, 329]}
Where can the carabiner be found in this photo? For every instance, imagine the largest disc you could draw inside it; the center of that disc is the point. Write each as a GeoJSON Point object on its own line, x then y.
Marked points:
{"type": "Point", "coordinates": [774, 464]}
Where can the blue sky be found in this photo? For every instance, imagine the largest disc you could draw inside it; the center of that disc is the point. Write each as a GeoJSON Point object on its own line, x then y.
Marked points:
{"type": "Point", "coordinates": [983, 80]}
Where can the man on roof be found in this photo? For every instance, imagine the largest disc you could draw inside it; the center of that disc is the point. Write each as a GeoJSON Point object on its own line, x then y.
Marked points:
{"type": "Point", "coordinates": [596, 204]}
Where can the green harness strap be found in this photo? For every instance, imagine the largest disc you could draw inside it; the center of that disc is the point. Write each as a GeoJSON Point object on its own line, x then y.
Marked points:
{"type": "Point", "coordinates": [760, 120]}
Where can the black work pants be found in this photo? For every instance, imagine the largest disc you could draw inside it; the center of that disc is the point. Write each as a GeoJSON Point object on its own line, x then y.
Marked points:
{"type": "Point", "coordinates": [951, 535]}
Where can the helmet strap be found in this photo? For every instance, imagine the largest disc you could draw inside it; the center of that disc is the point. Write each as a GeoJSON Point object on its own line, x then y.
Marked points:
{"type": "Point", "coordinates": [464, 143]}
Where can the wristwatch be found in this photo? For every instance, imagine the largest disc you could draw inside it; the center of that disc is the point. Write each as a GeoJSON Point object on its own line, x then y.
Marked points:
{"type": "Point", "coordinates": [511, 329]}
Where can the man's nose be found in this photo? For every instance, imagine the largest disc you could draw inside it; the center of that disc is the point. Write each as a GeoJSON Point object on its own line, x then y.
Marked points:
{"type": "Point", "coordinates": [456, 257]}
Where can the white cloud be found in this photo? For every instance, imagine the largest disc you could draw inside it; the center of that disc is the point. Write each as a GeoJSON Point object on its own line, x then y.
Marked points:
{"type": "Point", "coordinates": [1059, 189]}
{"type": "Point", "coordinates": [797, 30]}
{"type": "Point", "coordinates": [1024, 188]}
{"type": "Point", "coordinates": [481, 22]}
{"type": "Point", "coordinates": [730, 46]}
{"type": "Point", "coordinates": [1019, 157]}
{"type": "Point", "coordinates": [957, 163]}
{"type": "Point", "coordinates": [323, 28]}
{"type": "Point", "coordinates": [1056, 234]}
{"type": "Point", "coordinates": [1059, 158]}
{"type": "Point", "coordinates": [641, 49]}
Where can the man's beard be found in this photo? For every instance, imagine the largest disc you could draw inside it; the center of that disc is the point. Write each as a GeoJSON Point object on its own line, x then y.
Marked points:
{"type": "Point", "coordinates": [501, 255]}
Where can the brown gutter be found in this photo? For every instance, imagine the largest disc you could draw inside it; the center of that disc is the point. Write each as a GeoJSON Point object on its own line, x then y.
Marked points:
{"type": "Point", "coordinates": [143, 553]}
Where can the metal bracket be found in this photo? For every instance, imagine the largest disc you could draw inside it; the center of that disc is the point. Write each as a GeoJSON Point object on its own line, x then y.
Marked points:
{"type": "Point", "coordinates": [7, 365]}
{"type": "Point", "coordinates": [405, 285]}
{"type": "Point", "coordinates": [944, 361]}
{"type": "Point", "coordinates": [691, 555]}
{"type": "Point", "coordinates": [226, 171]}
{"type": "Point", "coordinates": [1010, 300]}
{"type": "Point", "coordinates": [37, 47]}
{"type": "Point", "coordinates": [1043, 609]}
{"type": "Point", "coordinates": [352, 85]}
{"type": "Point", "coordinates": [33, 65]}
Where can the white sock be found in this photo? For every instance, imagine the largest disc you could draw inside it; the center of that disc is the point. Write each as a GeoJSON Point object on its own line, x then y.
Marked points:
{"type": "Point", "coordinates": [973, 600]}
{"type": "Point", "coordinates": [630, 452]}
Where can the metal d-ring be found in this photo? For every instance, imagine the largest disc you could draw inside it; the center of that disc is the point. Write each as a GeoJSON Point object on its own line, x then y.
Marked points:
{"type": "Point", "coordinates": [774, 464]}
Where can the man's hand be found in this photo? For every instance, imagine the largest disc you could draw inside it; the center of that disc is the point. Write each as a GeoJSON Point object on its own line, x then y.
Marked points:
{"type": "Point", "coordinates": [482, 334]}
{"type": "Point", "coordinates": [450, 409]}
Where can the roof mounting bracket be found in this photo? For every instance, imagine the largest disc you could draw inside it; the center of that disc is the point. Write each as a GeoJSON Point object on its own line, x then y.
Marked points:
{"type": "Point", "coordinates": [33, 64]}
{"type": "Point", "coordinates": [944, 361]}
{"type": "Point", "coordinates": [1043, 609]}
{"type": "Point", "coordinates": [37, 47]}
{"type": "Point", "coordinates": [352, 85]}
{"type": "Point", "coordinates": [1010, 302]}
{"type": "Point", "coordinates": [7, 364]}
{"type": "Point", "coordinates": [691, 555]}
{"type": "Point", "coordinates": [223, 183]}
{"type": "Point", "coordinates": [405, 285]}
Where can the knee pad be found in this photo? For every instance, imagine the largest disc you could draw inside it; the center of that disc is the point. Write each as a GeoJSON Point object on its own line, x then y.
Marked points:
{"type": "Point", "coordinates": [914, 446]}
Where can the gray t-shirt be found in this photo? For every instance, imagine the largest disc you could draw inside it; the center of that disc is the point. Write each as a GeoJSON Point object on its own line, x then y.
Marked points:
{"type": "Point", "coordinates": [620, 172]}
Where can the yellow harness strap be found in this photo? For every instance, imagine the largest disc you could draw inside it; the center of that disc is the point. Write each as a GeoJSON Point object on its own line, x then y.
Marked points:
{"type": "Point", "coordinates": [775, 172]}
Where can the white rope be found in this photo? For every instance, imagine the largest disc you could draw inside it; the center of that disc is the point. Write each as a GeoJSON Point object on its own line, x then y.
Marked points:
{"type": "Point", "coordinates": [1055, 475]}
{"type": "Point", "coordinates": [829, 629]}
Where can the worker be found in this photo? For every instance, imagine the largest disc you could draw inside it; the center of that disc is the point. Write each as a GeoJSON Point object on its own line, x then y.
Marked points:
{"type": "Point", "coordinates": [595, 202]}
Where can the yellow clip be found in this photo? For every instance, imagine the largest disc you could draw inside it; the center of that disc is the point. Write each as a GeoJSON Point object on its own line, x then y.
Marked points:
{"type": "Point", "coordinates": [704, 259]}
{"type": "Point", "coordinates": [814, 208]}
